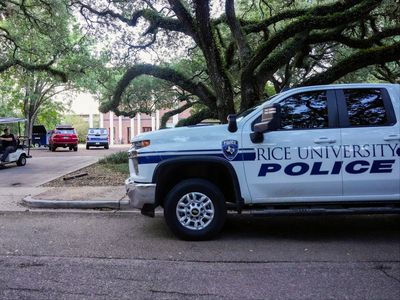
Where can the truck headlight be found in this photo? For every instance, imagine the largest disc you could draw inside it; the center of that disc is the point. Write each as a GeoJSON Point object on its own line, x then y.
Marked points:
{"type": "Point", "coordinates": [141, 144]}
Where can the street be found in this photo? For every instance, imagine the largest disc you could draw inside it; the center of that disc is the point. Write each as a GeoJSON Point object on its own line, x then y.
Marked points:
{"type": "Point", "coordinates": [45, 166]}
{"type": "Point", "coordinates": [75, 254]}
{"type": "Point", "coordinates": [108, 255]}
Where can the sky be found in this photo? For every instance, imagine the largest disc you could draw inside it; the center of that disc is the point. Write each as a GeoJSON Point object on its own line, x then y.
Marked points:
{"type": "Point", "coordinates": [84, 103]}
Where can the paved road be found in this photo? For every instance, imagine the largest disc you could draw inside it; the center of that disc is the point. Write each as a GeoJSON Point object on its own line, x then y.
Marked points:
{"type": "Point", "coordinates": [125, 255]}
{"type": "Point", "coordinates": [45, 165]}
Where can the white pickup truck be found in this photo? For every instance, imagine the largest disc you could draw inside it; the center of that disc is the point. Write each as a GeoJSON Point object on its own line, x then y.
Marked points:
{"type": "Point", "coordinates": [310, 150]}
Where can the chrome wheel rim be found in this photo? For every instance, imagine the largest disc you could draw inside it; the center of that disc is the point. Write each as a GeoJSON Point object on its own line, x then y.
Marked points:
{"type": "Point", "coordinates": [195, 211]}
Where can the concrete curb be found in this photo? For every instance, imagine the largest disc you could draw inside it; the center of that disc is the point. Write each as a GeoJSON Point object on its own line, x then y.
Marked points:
{"type": "Point", "coordinates": [74, 204]}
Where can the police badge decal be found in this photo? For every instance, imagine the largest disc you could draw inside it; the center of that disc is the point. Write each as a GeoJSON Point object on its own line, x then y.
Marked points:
{"type": "Point", "coordinates": [230, 148]}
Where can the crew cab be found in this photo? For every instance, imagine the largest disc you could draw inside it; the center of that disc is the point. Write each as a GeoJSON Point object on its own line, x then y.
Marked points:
{"type": "Point", "coordinates": [310, 150]}
{"type": "Point", "coordinates": [64, 136]}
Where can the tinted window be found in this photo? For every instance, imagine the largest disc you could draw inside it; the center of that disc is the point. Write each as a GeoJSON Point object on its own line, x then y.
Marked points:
{"type": "Point", "coordinates": [305, 110]}
{"type": "Point", "coordinates": [98, 131]}
{"type": "Point", "coordinates": [65, 131]}
{"type": "Point", "coordinates": [365, 107]}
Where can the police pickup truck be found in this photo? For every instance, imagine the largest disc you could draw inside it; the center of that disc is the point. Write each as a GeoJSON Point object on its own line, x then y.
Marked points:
{"type": "Point", "coordinates": [310, 150]}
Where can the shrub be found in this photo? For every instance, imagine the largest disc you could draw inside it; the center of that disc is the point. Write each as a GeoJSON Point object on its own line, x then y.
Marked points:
{"type": "Point", "coordinates": [115, 158]}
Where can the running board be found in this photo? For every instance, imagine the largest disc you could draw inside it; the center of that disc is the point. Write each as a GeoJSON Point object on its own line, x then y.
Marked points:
{"type": "Point", "coordinates": [324, 211]}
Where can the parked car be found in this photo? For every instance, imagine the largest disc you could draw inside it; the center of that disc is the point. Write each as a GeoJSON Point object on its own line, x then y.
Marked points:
{"type": "Point", "coordinates": [97, 137]}
{"type": "Point", "coordinates": [63, 136]}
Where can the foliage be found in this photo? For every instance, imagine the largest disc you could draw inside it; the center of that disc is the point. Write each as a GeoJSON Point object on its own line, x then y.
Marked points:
{"type": "Point", "coordinates": [51, 114]}
{"type": "Point", "coordinates": [42, 47]}
{"type": "Point", "coordinates": [8, 99]}
{"type": "Point", "coordinates": [20, 22]}
{"type": "Point", "coordinates": [115, 158]}
{"type": "Point", "coordinates": [80, 124]}
{"type": "Point", "coordinates": [234, 50]}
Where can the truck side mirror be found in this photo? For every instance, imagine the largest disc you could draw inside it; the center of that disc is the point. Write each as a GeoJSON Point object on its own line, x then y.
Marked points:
{"type": "Point", "coordinates": [232, 125]}
{"type": "Point", "coordinates": [270, 121]}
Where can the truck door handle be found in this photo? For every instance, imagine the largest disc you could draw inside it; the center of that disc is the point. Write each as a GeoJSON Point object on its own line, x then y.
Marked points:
{"type": "Point", "coordinates": [392, 137]}
{"type": "Point", "coordinates": [324, 140]}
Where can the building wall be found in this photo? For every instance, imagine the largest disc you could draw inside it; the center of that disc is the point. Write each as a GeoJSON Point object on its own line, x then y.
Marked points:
{"type": "Point", "coordinates": [146, 123]}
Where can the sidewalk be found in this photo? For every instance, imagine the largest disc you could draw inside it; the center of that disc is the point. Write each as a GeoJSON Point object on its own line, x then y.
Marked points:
{"type": "Point", "coordinates": [11, 199]}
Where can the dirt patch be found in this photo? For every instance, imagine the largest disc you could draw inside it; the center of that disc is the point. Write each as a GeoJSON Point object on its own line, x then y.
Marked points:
{"type": "Point", "coordinates": [98, 175]}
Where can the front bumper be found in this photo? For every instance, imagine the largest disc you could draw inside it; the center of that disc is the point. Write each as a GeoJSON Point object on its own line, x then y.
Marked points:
{"type": "Point", "coordinates": [141, 195]}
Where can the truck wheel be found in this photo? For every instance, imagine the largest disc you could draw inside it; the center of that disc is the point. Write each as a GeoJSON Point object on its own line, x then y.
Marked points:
{"type": "Point", "coordinates": [87, 147]}
{"type": "Point", "coordinates": [106, 146]}
{"type": "Point", "coordinates": [21, 161]}
{"type": "Point", "coordinates": [76, 148]}
{"type": "Point", "coordinates": [195, 210]}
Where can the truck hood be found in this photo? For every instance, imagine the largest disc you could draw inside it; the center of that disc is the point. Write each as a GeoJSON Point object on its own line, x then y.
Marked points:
{"type": "Point", "coordinates": [205, 137]}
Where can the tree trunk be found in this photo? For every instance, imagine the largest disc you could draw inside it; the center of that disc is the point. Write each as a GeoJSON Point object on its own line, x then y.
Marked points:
{"type": "Point", "coordinates": [250, 92]}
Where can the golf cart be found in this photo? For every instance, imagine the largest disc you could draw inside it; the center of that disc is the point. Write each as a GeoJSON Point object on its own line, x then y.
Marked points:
{"type": "Point", "coordinates": [20, 154]}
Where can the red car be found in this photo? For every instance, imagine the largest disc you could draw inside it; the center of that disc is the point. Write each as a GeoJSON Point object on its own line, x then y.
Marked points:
{"type": "Point", "coordinates": [63, 136]}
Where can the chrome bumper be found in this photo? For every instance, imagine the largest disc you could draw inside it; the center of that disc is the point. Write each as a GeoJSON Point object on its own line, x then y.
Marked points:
{"type": "Point", "coordinates": [140, 193]}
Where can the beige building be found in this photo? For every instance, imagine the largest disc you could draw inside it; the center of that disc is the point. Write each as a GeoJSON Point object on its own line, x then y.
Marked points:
{"type": "Point", "coordinates": [125, 128]}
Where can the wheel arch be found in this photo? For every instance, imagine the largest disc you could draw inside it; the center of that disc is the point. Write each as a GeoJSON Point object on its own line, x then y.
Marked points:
{"type": "Point", "coordinates": [214, 169]}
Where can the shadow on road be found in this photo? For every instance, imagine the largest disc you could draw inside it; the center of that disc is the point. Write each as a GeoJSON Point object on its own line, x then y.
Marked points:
{"type": "Point", "coordinates": [316, 228]}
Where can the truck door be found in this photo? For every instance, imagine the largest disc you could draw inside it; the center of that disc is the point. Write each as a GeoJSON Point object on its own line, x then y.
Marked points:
{"type": "Point", "coordinates": [298, 162]}
{"type": "Point", "coordinates": [371, 144]}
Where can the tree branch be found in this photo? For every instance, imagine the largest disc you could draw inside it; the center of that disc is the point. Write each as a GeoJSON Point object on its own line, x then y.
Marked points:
{"type": "Point", "coordinates": [169, 114]}
{"type": "Point", "coordinates": [310, 22]}
{"type": "Point", "coordinates": [196, 118]}
{"type": "Point", "coordinates": [32, 67]}
{"type": "Point", "coordinates": [360, 59]}
{"type": "Point", "coordinates": [168, 74]}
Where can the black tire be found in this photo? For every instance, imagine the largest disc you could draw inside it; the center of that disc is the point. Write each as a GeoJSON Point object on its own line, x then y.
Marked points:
{"type": "Point", "coordinates": [70, 148]}
{"type": "Point", "coordinates": [106, 146]}
{"type": "Point", "coordinates": [195, 188]}
{"type": "Point", "coordinates": [52, 148]}
{"type": "Point", "coordinates": [76, 148]}
{"type": "Point", "coordinates": [21, 161]}
{"type": "Point", "coordinates": [87, 147]}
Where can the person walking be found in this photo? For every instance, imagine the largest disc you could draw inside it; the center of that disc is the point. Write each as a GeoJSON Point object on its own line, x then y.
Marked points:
{"type": "Point", "coordinates": [8, 144]}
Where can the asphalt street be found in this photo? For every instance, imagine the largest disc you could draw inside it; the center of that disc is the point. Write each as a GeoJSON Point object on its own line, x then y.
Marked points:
{"type": "Point", "coordinates": [65, 254]}
{"type": "Point", "coordinates": [108, 255]}
{"type": "Point", "coordinates": [46, 165]}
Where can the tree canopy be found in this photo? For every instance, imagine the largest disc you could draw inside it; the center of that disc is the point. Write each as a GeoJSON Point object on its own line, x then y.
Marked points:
{"type": "Point", "coordinates": [245, 46]}
{"type": "Point", "coordinates": [44, 20]}
{"type": "Point", "coordinates": [42, 54]}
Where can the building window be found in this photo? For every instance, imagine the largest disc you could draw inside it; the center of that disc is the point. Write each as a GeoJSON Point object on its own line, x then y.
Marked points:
{"type": "Point", "coordinates": [146, 129]}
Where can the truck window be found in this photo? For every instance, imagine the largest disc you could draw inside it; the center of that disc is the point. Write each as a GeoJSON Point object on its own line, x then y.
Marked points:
{"type": "Point", "coordinates": [365, 107]}
{"type": "Point", "coordinates": [305, 111]}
